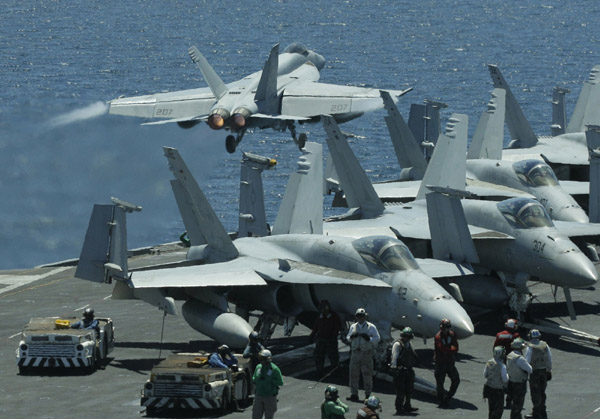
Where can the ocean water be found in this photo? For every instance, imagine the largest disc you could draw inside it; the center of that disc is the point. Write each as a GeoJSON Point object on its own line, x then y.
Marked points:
{"type": "Point", "coordinates": [60, 61]}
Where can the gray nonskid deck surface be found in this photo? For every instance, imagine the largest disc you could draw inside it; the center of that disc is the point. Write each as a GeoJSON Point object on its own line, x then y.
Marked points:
{"type": "Point", "coordinates": [113, 390]}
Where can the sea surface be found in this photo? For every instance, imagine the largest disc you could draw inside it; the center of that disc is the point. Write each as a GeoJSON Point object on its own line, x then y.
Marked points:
{"type": "Point", "coordinates": [61, 61]}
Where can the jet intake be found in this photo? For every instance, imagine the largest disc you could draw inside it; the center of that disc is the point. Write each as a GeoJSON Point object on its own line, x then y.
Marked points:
{"type": "Point", "coordinates": [216, 120]}
{"type": "Point", "coordinates": [278, 299]}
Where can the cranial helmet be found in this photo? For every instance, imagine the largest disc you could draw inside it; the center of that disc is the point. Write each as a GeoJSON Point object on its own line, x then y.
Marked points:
{"type": "Point", "coordinates": [265, 353]}
{"type": "Point", "coordinates": [407, 332]}
{"type": "Point", "coordinates": [253, 336]}
{"type": "Point", "coordinates": [511, 324]}
{"type": "Point", "coordinates": [223, 350]}
{"type": "Point", "coordinates": [88, 313]}
{"type": "Point", "coordinates": [331, 393]}
{"type": "Point", "coordinates": [360, 312]}
{"type": "Point", "coordinates": [499, 352]}
{"type": "Point", "coordinates": [373, 402]}
{"type": "Point", "coordinates": [445, 324]}
{"type": "Point", "coordinates": [518, 343]}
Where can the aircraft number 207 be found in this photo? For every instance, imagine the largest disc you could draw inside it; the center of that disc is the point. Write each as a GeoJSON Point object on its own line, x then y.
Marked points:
{"type": "Point", "coordinates": [339, 108]}
{"type": "Point", "coordinates": [538, 246]}
{"type": "Point", "coordinates": [163, 112]}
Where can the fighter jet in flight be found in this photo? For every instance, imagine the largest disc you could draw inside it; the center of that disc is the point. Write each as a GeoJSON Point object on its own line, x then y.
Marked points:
{"type": "Point", "coordinates": [514, 239]}
{"type": "Point", "coordinates": [284, 92]}
{"type": "Point", "coordinates": [282, 275]}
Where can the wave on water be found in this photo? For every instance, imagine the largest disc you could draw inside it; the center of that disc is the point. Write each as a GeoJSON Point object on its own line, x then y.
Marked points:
{"type": "Point", "coordinates": [91, 111]}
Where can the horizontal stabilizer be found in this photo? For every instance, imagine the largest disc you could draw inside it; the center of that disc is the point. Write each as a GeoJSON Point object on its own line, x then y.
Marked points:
{"type": "Point", "coordinates": [218, 88]}
{"type": "Point", "coordinates": [177, 120]}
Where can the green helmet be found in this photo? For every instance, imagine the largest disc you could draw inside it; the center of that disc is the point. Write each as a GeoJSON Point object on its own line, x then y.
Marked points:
{"type": "Point", "coordinates": [372, 402]}
{"type": "Point", "coordinates": [407, 332]}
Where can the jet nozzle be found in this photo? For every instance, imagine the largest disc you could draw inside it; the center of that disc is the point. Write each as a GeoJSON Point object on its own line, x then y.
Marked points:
{"type": "Point", "coordinates": [216, 120]}
{"type": "Point", "coordinates": [240, 115]}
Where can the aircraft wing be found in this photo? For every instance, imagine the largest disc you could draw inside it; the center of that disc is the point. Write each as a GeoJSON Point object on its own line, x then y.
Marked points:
{"type": "Point", "coordinates": [441, 269]}
{"type": "Point", "coordinates": [568, 149]}
{"type": "Point", "coordinates": [184, 105]}
{"type": "Point", "coordinates": [573, 229]}
{"type": "Point", "coordinates": [237, 272]}
{"type": "Point", "coordinates": [309, 99]}
{"type": "Point", "coordinates": [404, 191]}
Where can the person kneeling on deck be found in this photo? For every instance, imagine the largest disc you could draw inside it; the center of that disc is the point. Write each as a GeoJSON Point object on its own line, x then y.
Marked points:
{"type": "Point", "coordinates": [332, 407]}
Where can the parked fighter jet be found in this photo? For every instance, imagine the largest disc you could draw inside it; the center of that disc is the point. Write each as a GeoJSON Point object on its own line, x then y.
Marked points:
{"type": "Point", "coordinates": [516, 239]}
{"type": "Point", "coordinates": [487, 174]}
{"type": "Point", "coordinates": [566, 151]}
{"type": "Point", "coordinates": [285, 91]}
{"type": "Point", "coordinates": [283, 275]}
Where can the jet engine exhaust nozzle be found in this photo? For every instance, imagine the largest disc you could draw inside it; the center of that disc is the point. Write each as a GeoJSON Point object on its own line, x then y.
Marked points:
{"type": "Point", "coordinates": [216, 120]}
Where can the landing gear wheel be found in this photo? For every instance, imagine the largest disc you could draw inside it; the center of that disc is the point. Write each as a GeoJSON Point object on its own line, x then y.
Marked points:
{"type": "Point", "coordinates": [302, 140]}
{"type": "Point", "coordinates": [230, 144]}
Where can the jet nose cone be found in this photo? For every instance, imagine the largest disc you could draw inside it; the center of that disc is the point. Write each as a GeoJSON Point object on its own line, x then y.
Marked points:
{"type": "Point", "coordinates": [570, 213]}
{"type": "Point", "coordinates": [582, 272]}
{"type": "Point", "coordinates": [453, 311]}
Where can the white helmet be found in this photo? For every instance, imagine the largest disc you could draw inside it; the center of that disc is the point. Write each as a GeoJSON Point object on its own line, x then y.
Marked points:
{"type": "Point", "coordinates": [511, 324]}
{"type": "Point", "coordinates": [265, 353]}
{"type": "Point", "coordinates": [360, 312]}
{"type": "Point", "coordinates": [535, 334]}
{"type": "Point", "coordinates": [499, 352]}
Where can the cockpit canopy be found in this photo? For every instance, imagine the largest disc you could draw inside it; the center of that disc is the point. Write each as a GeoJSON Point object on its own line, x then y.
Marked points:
{"type": "Point", "coordinates": [525, 213]}
{"type": "Point", "coordinates": [296, 48]}
{"type": "Point", "coordinates": [535, 173]}
{"type": "Point", "coordinates": [386, 253]}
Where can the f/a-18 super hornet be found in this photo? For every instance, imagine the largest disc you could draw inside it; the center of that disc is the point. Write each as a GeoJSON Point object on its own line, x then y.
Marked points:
{"type": "Point", "coordinates": [566, 150]}
{"type": "Point", "coordinates": [487, 175]}
{"type": "Point", "coordinates": [514, 239]}
{"type": "Point", "coordinates": [282, 275]}
{"type": "Point", "coordinates": [284, 92]}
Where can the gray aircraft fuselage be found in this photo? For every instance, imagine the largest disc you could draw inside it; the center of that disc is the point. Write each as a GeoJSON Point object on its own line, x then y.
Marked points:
{"type": "Point", "coordinates": [540, 252]}
{"type": "Point", "coordinates": [534, 177]}
{"type": "Point", "coordinates": [412, 299]}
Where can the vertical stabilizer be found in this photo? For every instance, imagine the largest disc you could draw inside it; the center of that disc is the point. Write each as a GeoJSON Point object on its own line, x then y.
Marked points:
{"type": "Point", "coordinates": [407, 150]}
{"type": "Point", "coordinates": [301, 209]}
{"type": "Point", "coordinates": [448, 167]}
{"type": "Point", "coordinates": [266, 93]}
{"type": "Point", "coordinates": [488, 138]}
{"type": "Point", "coordinates": [587, 109]}
{"type": "Point", "coordinates": [253, 220]}
{"type": "Point", "coordinates": [213, 80]}
{"type": "Point", "coordinates": [450, 236]}
{"type": "Point", "coordinates": [202, 224]}
{"type": "Point", "coordinates": [104, 253]}
{"type": "Point", "coordinates": [559, 111]}
{"type": "Point", "coordinates": [353, 179]}
{"type": "Point", "coordinates": [592, 135]}
{"type": "Point", "coordinates": [517, 123]}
